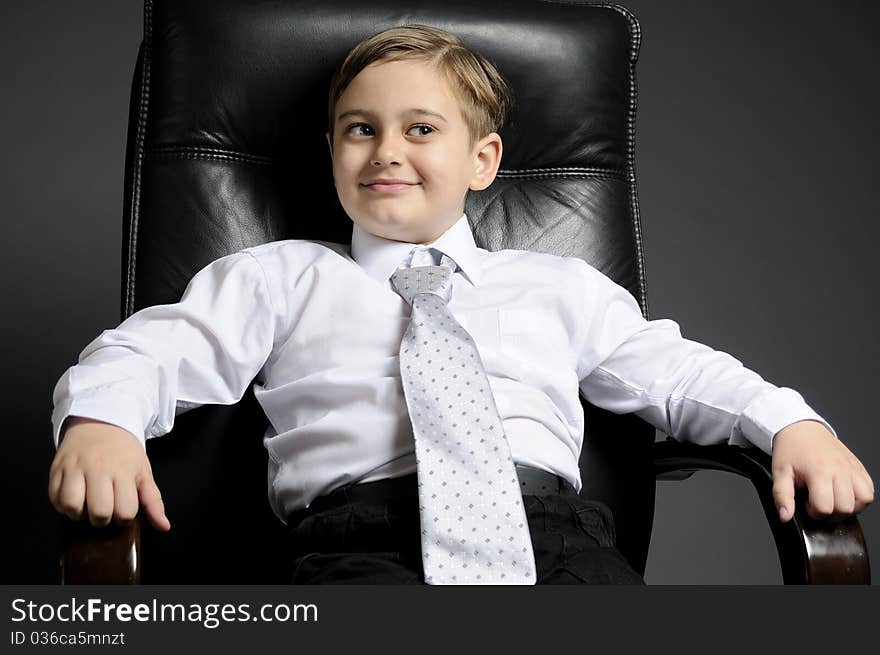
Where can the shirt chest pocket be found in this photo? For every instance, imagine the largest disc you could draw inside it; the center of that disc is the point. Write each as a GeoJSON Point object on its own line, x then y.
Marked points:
{"type": "Point", "coordinates": [532, 337]}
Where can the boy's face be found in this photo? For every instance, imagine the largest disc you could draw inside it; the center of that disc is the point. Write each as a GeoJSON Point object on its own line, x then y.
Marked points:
{"type": "Point", "coordinates": [388, 137]}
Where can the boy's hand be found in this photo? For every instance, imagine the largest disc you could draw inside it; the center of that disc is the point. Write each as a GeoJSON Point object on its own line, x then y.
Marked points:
{"type": "Point", "coordinates": [103, 468]}
{"type": "Point", "coordinates": [807, 453]}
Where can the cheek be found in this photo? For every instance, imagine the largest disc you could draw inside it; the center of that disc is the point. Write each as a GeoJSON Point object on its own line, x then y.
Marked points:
{"type": "Point", "coordinates": [346, 164]}
{"type": "Point", "coordinates": [436, 166]}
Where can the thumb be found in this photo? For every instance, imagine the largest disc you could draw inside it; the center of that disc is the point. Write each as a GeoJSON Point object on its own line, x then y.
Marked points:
{"type": "Point", "coordinates": [151, 500]}
{"type": "Point", "coordinates": [783, 492]}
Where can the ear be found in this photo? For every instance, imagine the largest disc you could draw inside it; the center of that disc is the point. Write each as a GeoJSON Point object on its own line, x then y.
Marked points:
{"type": "Point", "coordinates": [487, 159]}
{"type": "Point", "coordinates": [329, 145]}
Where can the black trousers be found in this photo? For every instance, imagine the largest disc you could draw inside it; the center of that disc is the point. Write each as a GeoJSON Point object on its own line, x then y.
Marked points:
{"type": "Point", "coordinates": [378, 540]}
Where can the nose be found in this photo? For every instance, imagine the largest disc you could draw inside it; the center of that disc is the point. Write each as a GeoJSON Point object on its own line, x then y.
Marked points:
{"type": "Point", "coordinates": [387, 150]}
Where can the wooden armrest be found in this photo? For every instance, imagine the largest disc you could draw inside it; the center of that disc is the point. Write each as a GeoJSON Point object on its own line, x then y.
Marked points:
{"type": "Point", "coordinates": [109, 555]}
{"type": "Point", "coordinates": [811, 551]}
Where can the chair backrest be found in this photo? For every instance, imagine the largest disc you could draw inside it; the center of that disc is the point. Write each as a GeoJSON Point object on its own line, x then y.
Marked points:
{"type": "Point", "coordinates": [228, 108]}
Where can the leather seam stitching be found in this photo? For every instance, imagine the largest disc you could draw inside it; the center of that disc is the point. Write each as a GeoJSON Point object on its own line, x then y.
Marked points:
{"type": "Point", "coordinates": [139, 158]}
{"type": "Point", "coordinates": [199, 153]}
{"type": "Point", "coordinates": [635, 43]}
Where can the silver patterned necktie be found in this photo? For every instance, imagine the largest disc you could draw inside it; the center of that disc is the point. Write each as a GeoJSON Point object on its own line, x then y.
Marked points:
{"type": "Point", "coordinates": [473, 523]}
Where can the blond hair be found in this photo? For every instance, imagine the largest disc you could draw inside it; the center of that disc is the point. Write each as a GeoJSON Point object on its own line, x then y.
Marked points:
{"type": "Point", "coordinates": [483, 94]}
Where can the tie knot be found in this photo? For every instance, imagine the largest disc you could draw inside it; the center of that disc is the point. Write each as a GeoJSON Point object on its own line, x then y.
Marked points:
{"type": "Point", "coordinates": [425, 279]}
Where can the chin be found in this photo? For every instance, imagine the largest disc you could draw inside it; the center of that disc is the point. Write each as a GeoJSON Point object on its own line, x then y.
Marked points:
{"type": "Point", "coordinates": [386, 228]}
{"type": "Point", "coordinates": [392, 220]}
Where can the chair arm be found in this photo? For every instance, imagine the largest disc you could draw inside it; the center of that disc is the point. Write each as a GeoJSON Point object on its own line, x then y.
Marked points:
{"type": "Point", "coordinates": [811, 551]}
{"type": "Point", "coordinates": [109, 555]}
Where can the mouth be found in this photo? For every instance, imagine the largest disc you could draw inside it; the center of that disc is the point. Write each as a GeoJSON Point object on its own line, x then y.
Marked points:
{"type": "Point", "coordinates": [389, 187]}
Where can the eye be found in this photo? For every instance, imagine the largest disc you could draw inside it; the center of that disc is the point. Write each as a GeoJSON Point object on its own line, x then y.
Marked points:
{"type": "Point", "coordinates": [348, 130]}
{"type": "Point", "coordinates": [422, 127]}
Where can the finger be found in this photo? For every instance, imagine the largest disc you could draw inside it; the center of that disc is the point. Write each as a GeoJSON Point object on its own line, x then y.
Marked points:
{"type": "Point", "coordinates": [72, 496]}
{"type": "Point", "coordinates": [56, 477]}
{"type": "Point", "coordinates": [844, 497]}
{"type": "Point", "coordinates": [863, 484]}
{"type": "Point", "coordinates": [863, 488]}
{"type": "Point", "coordinates": [125, 504]}
{"type": "Point", "coordinates": [151, 500]}
{"type": "Point", "coordinates": [821, 496]}
{"type": "Point", "coordinates": [99, 499]}
{"type": "Point", "coordinates": [783, 492]}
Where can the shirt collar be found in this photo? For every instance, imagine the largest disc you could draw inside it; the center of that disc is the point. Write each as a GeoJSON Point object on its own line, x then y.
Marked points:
{"type": "Point", "coordinates": [380, 257]}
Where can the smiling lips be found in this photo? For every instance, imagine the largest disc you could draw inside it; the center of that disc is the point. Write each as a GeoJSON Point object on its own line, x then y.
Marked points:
{"type": "Point", "coordinates": [388, 185]}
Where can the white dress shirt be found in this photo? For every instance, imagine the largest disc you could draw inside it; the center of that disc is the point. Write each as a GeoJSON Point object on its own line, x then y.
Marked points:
{"type": "Point", "coordinates": [317, 329]}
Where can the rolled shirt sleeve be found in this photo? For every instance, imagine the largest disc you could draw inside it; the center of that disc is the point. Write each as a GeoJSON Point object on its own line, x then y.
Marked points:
{"type": "Point", "coordinates": [684, 388]}
{"type": "Point", "coordinates": [166, 359]}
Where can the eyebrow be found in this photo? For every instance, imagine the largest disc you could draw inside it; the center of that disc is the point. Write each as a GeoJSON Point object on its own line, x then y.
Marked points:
{"type": "Point", "coordinates": [416, 110]}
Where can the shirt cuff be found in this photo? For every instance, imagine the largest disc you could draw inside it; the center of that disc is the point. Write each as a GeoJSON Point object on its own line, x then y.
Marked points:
{"type": "Point", "coordinates": [121, 411]}
{"type": "Point", "coordinates": [770, 412]}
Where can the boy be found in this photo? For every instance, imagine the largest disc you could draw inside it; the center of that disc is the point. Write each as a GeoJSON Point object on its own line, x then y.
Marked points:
{"type": "Point", "coordinates": [413, 125]}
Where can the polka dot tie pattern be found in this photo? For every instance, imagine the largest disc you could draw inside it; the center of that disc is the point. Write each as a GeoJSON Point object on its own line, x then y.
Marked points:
{"type": "Point", "coordinates": [473, 522]}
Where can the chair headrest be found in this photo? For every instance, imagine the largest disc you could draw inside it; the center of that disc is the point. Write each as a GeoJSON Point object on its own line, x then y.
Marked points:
{"type": "Point", "coordinates": [226, 142]}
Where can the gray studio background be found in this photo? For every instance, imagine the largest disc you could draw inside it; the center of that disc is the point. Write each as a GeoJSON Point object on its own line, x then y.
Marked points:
{"type": "Point", "coordinates": [755, 140]}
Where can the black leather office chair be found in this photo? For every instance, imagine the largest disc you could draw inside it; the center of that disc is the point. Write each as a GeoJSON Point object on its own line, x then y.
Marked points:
{"type": "Point", "coordinates": [226, 150]}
